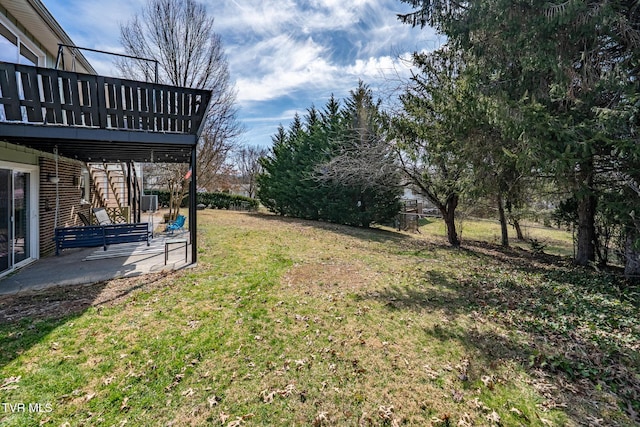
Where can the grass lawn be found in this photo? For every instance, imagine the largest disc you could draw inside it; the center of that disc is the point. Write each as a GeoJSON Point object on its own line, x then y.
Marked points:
{"type": "Point", "coordinates": [295, 323]}
{"type": "Point", "coordinates": [555, 241]}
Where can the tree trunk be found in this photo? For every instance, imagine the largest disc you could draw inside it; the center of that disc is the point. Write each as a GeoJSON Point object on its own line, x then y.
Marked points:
{"type": "Point", "coordinates": [171, 217]}
{"type": "Point", "coordinates": [516, 222]}
{"type": "Point", "coordinates": [516, 225]}
{"type": "Point", "coordinates": [503, 222]}
{"type": "Point", "coordinates": [448, 214]}
{"type": "Point", "coordinates": [632, 258]}
{"type": "Point", "coordinates": [586, 250]}
{"type": "Point", "coordinates": [179, 198]}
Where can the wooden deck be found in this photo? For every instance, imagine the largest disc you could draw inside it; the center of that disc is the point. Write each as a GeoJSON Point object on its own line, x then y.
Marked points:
{"type": "Point", "coordinates": [90, 116]}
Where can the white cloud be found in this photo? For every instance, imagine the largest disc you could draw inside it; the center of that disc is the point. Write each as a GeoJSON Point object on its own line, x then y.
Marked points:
{"type": "Point", "coordinates": [383, 67]}
{"type": "Point", "coordinates": [280, 65]}
{"type": "Point", "coordinates": [253, 16]}
{"type": "Point", "coordinates": [296, 50]}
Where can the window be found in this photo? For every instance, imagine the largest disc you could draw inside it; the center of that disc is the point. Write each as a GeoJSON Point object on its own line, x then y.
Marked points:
{"type": "Point", "coordinates": [27, 57]}
{"type": "Point", "coordinates": [16, 49]}
{"type": "Point", "coordinates": [8, 44]}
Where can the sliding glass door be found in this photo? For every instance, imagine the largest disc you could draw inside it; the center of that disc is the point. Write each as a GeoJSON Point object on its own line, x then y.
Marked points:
{"type": "Point", "coordinates": [16, 224]}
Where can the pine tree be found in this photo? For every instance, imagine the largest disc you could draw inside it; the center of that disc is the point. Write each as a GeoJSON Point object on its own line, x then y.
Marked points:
{"type": "Point", "coordinates": [299, 178]}
{"type": "Point", "coordinates": [567, 74]}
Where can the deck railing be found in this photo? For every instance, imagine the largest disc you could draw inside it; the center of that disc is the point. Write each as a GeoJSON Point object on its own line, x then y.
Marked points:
{"type": "Point", "coordinates": [44, 96]}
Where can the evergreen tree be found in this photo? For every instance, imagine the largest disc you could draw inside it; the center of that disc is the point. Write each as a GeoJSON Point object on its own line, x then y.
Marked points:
{"type": "Point", "coordinates": [567, 72]}
{"type": "Point", "coordinates": [299, 177]}
{"type": "Point", "coordinates": [431, 133]}
{"type": "Point", "coordinates": [362, 169]}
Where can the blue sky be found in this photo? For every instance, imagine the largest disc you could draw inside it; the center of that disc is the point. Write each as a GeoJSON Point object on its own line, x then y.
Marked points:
{"type": "Point", "coordinates": [284, 55]}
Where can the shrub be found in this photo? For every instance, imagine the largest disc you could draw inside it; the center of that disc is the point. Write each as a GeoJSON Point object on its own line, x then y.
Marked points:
{"type": "Point", "coordinates": [213, 200]}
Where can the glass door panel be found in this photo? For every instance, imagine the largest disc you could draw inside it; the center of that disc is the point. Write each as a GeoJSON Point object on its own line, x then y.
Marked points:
{"type": "Point", "coordinates": [15, 229]}
{"type": "Point", "coordinates": [21, 217]}
{"type": "Point", "coordinates": [5, 220]}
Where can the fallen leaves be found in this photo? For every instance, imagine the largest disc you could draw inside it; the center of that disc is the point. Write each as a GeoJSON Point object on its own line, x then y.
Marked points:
{"type": "Point", "coordinates": [463, 368]}
{"type": "Point", "coordinates": [479, 404]}
{"type": "Point", "coordinates": [494, 417]}
{"type": "Point", "coordinates": [125, 404]}
{"type": "Point", "coordinates": [489, 381]}
{"type": "Point", "coordinates": [354, 376]}
{"type": "Point", "coordinates": [431, 374]}
{"type": "Point", "coordinates": [387, 415]}
{"type": "Point", "coordinates": [516, 411]}
{"type": "Point", "coordinates": [320, 419]}
{"type": "Point", "coordinates": [188, 392]}
{"type": "Point", "coordinates": [269, 395]}
{"type": "Point", "coordinates": [240, 420]}
{"type": "Point", "coordinates": [175, 382]}
{"type": "Point", "coordinates": [10, 383]}
{"type": "Point", "coordinates": [223, 417]}
{"type": "Point", "coordinates": [213, 401]}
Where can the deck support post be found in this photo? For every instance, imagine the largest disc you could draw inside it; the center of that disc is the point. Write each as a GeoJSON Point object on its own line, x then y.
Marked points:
{"type": "Point", "coordinates": [193, 204]}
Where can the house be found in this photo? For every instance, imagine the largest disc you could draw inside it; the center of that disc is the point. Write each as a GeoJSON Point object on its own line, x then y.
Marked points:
{"type": "Point", "coordinates": [71, 139]}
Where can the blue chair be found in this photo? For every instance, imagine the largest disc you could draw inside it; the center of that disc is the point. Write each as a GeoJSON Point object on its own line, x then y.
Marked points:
{"type": "Point", "coordinates": [176, 225]}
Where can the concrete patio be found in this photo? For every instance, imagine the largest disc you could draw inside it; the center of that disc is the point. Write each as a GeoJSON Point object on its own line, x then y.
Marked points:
{"type": "Point", "coordinates": [92, 265]}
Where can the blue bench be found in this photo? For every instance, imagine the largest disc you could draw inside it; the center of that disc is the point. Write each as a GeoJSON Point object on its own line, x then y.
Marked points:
{"type": "Point", "coordinates": [85, 236]}
{"type": "Point", "coordinates": [101, 235]}
{"type": "Point", "coordinates": [126, 233]}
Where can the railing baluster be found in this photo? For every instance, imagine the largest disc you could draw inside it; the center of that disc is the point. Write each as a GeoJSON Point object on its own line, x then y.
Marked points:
{"type": "Point", "coordinates": [52, 100]}
{"type": "Point", "coordinates": [31, 94]}
{"type": "Point", "coordinates": [47, 100]}
{"type": "Point", "coordinates": [72, 105]}
{"type": "Point", "coordinates": [144, 108]}
{"type": "Point", "coordinates": [165, 110]}
{"type": "Point", "coordinates": [92, 104]}
{"type": "Point", "coordinates": [119, 107]}
{"type": "Point", "coordinates": [9, 89]}
{"type": "Point", "coordinates": [173, 110]}
{"type": "Point", "coordinates": [127, 107]}
{"type": "Point", "coordinates": [180, 112]}
{"type": "Point", "coordinates": [135, 107]}
{"type": "Point", "coordinates": [101, 89]}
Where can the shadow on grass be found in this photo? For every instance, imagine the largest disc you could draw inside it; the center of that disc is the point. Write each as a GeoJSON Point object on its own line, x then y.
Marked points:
{"type": "Point", "coordinates": [514, 255]}
{"type": "Point", "coordinates": [580, 327]}
{"type": "Point", "coordinates": [26, 318]}
{"type": "Point", "coordinates": [370, 234]}
{"type": "Point", "coordinates": [16, 339]}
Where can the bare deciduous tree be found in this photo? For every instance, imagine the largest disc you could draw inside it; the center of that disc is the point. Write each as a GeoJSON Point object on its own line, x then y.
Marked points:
{"type": "Point", "coordinates": [213, 161]}
{"type": "Point", "coordinates": [248, 165]}
{"type": "Point", "coordinates": [366, 161]}
{"type": "Point", "coordinates": [179, 35]}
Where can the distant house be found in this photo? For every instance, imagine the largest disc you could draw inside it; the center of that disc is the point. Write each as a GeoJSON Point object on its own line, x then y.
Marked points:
{"type": "Point", "coordinates": [70, 139]}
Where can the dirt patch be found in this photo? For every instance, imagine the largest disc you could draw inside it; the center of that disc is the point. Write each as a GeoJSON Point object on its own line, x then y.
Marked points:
{"type": "Point", "coordinates": [62, 301]}
{"type": "Point", "coordinates": [318, 275]}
